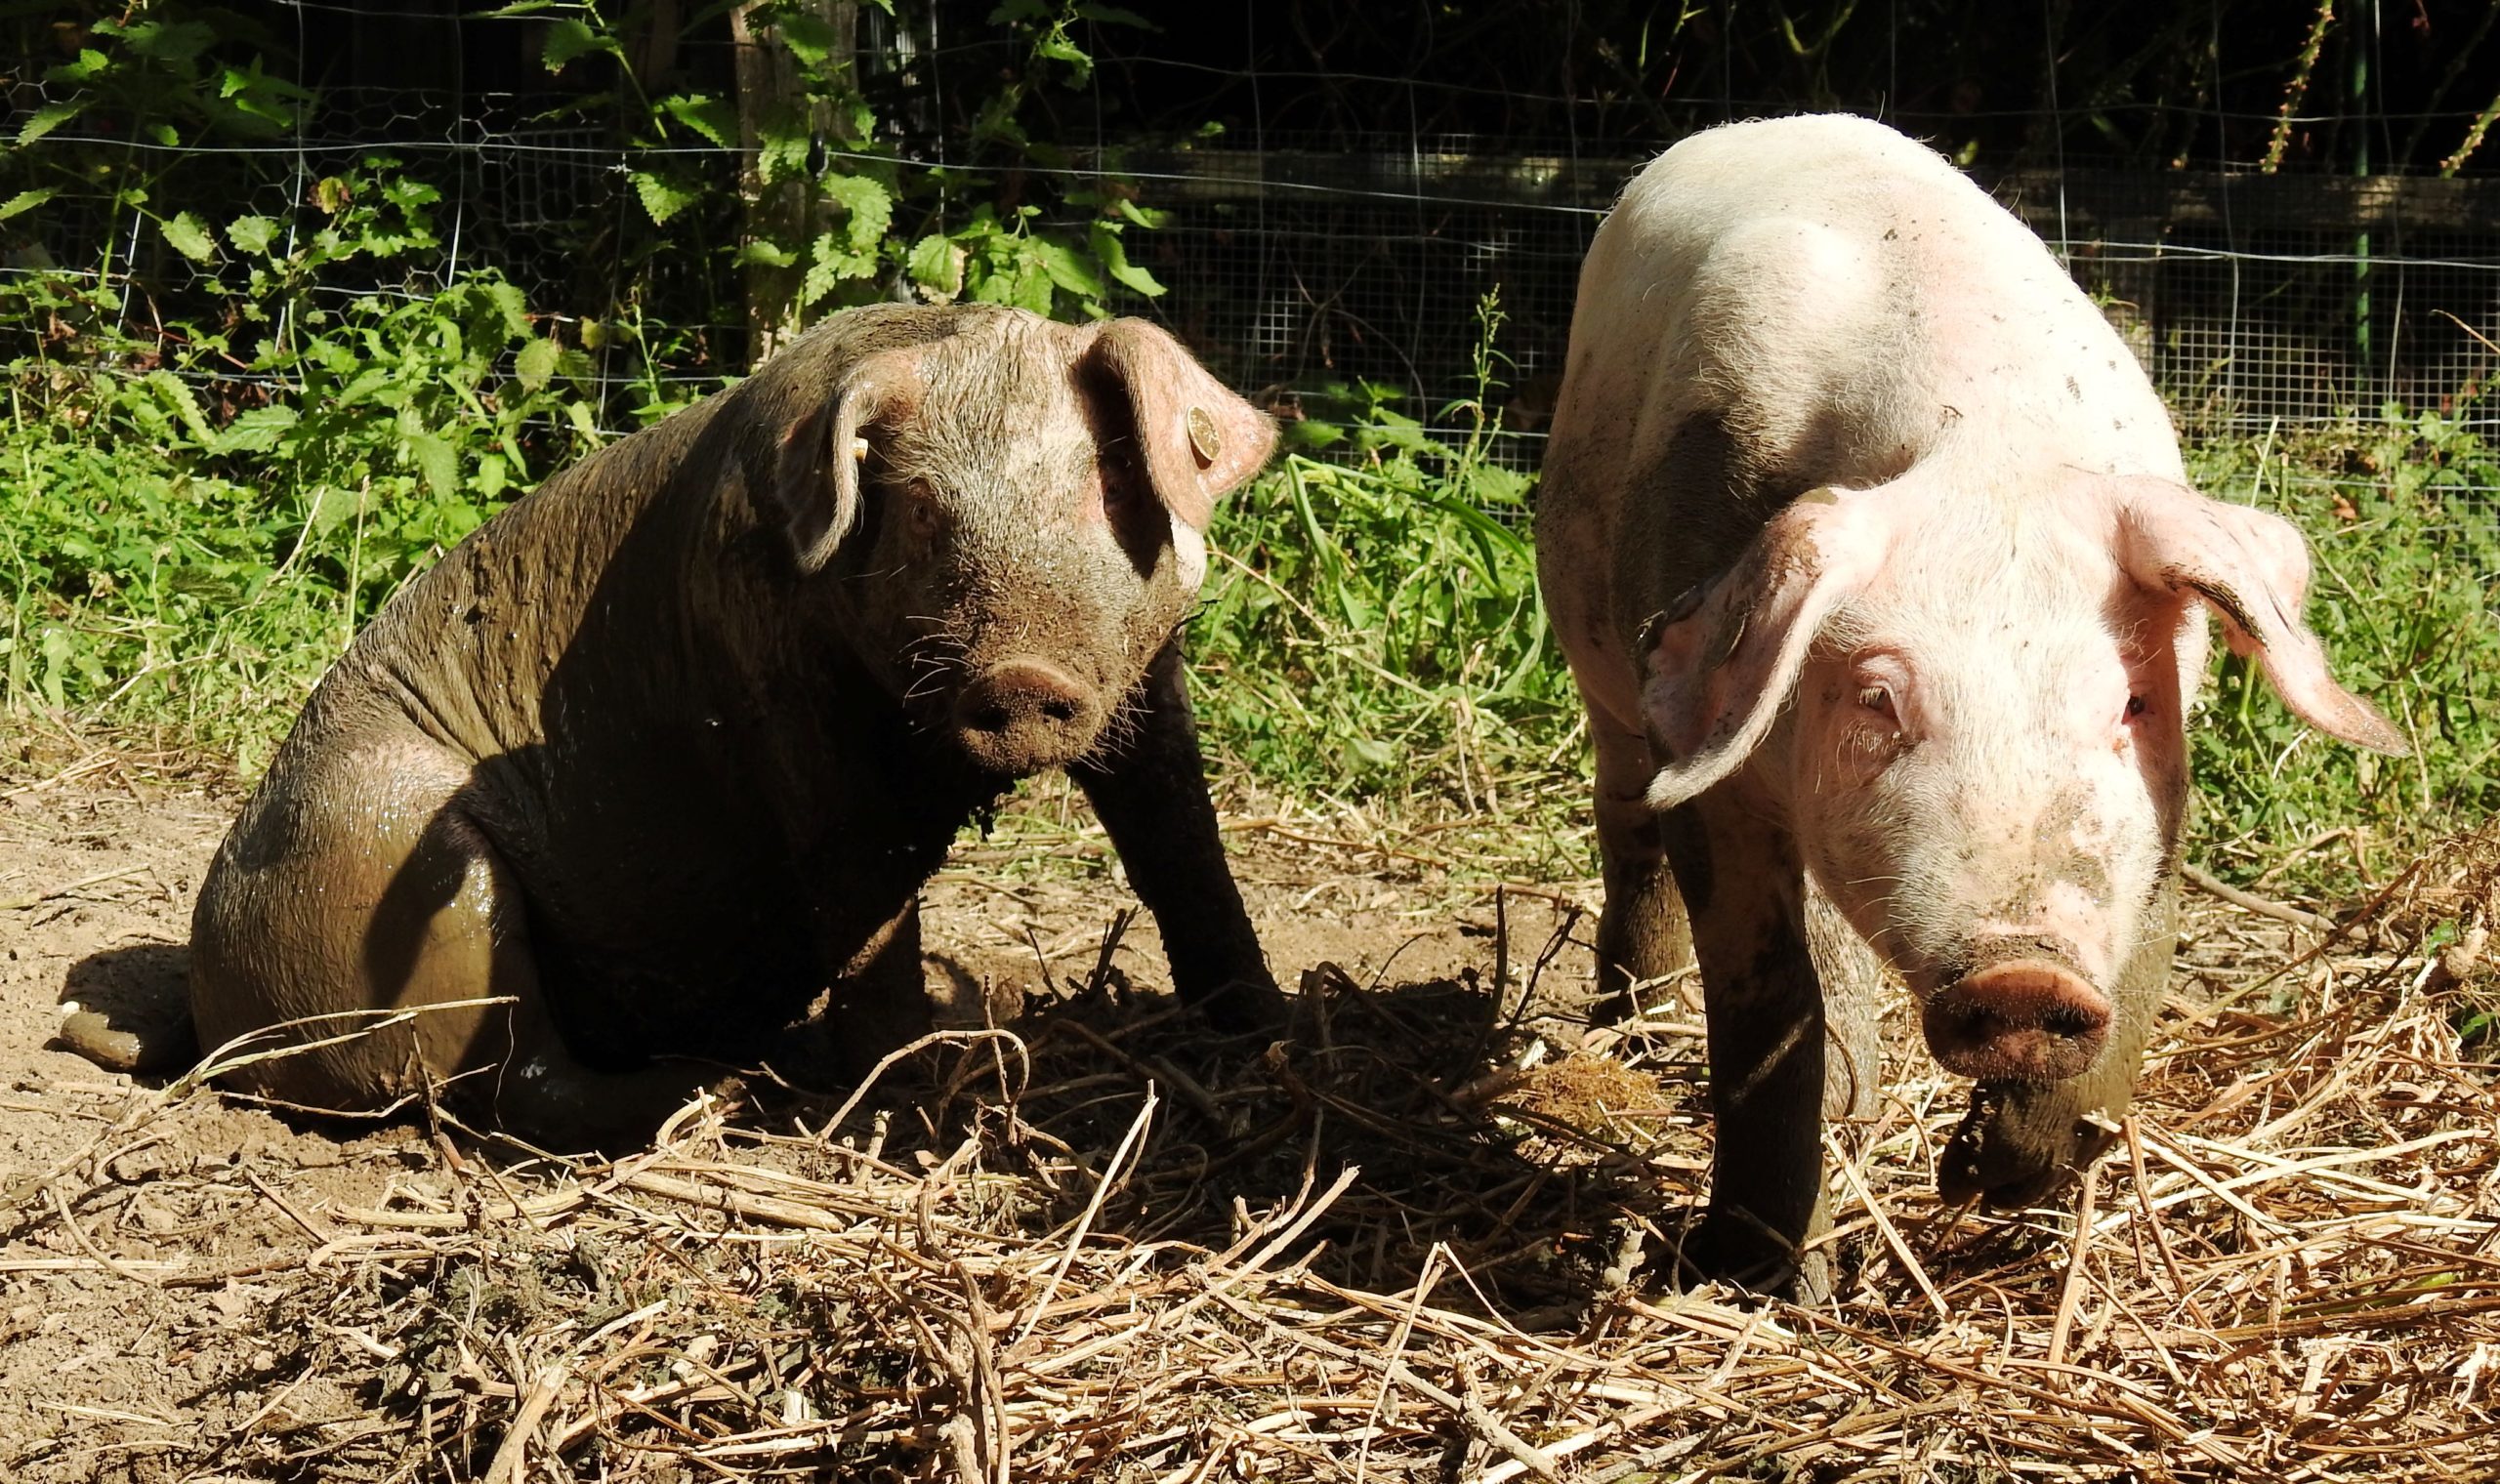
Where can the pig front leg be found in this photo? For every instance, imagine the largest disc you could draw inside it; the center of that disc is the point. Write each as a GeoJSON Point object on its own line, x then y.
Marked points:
{"type": "Point", "coordinates": [1744, 887]}
{"type": "Point", "coordinates": [1642, 935]}
{"type": "Point", "coordinates": [1149, 786]}
{"type": "Point", "coordinates": [2020, 1142]}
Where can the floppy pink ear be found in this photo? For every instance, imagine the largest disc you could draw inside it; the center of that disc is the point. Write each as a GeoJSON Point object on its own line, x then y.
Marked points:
{"type": "Point", "coordinates": [1719, 665]}
{"type": "Point", "coordinates": [2252, 569]}
{"type": "Point", "coordinates": [1199, 440]}
{"type": "Point", "coordinates": [814, 484]}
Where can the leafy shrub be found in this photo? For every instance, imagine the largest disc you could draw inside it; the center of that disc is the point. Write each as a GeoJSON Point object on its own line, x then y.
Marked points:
{"type": "Point", "coordinates": [2405, 538]}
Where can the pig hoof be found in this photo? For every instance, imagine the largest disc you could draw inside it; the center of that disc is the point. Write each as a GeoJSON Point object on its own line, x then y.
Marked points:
{"type": "Point", "coordinates": [1736, 1249]}
{"type": "Point", "coordinates": [144, 1050]}
{"type": "Point", "coordinates": [1242, 1006]}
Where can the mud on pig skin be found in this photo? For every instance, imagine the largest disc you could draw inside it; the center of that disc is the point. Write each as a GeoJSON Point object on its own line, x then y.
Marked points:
{"type": "Point", "coordinates": [1871, 550]}
{"type": "Point", "coordinates": [668, 748]}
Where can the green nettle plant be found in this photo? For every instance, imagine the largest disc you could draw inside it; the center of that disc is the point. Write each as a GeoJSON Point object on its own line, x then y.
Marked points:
{"type": "Point", "coordinates": [832, 215]}
{"type": "Point", "coordinates": [251, 403]}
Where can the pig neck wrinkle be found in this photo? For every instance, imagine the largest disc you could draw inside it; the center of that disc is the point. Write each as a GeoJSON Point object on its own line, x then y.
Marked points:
{"type": "Point", "coordinates": [586, 583]}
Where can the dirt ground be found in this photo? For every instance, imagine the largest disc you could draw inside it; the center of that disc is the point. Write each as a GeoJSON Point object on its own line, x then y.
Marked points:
{"type": "Point", "coordinates": [1405, 1244]}
{"type": "Point", "coordinates": [136, 1325]}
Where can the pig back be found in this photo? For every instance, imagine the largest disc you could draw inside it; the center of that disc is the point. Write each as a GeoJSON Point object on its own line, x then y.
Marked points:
{"type": "Point", "coordinates": [1785, 304]}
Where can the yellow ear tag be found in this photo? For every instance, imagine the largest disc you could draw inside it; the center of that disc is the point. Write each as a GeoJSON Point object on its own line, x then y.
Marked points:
{"type": "Point", "coordinates": [1205, 439]}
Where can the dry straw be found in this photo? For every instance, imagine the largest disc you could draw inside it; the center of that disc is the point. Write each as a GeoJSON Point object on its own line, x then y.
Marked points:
{"type": "Point", "coordinates": [1416, 1242]}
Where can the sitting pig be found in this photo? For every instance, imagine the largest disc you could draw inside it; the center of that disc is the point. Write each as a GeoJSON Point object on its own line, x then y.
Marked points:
{"type": "Point", "coordinates": [1870, 548]}
{"type": "Point", "coordinates": [669, 747]}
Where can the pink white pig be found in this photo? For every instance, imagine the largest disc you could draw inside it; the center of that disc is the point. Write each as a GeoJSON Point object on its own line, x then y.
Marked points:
{"type": "Point", "coordinates": [1871, 550]}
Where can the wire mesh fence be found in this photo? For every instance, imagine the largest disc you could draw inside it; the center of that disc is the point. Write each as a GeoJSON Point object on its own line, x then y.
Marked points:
{"type": "Point", "coordinates": [1331, 272]}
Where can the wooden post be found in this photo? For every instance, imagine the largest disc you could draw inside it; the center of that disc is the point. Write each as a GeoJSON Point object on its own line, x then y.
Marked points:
{"type": "Point", "coordinates": [789, 213]}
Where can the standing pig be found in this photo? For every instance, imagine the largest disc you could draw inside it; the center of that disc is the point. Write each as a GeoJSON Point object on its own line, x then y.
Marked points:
{"type": "Point", "coordinates": [669, 747]}
{"type": "Point", "coordinates": [1870, 548]}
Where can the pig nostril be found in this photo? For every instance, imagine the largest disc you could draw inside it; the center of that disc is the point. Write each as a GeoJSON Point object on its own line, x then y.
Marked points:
{"type": "Point", "coordinates": [2026, 1021]}
{"type": "Point", "coordinates": [989, 716]}
{"type": "Point", "coordinates": [1059, 709]}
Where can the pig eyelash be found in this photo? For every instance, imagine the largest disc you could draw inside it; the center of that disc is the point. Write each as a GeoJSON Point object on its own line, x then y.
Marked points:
{"type": "Point", "coordinates": [1879, 700]}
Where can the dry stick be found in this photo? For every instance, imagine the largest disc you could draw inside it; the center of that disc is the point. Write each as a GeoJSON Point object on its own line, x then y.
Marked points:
{"type": "Point", "coordinates": [38, 899]}
{"type": "Point", "coordinates": [114, 1265]}
{"type": "Point", "coordinates": [511, 1459]}
{"type": "Point", "coordinates": [2072, 1293]}
{"type": "Point", "coordinates": [1390, 1369]}
{"type": "Point", "coordinates": [1184, 1086]}
{"type": "Point", "coordinates": [2213, 886]}
{"type": "Point", "coordinates": [2160, 1231]}
{"type": "Point", "coordinates": [1100, 977]}
{"type": "Point", "coordinates": [1481, 1422]}
{"type": "Point", "coordinates": [934, 1038]}
{"type": "Point", "coordinates": [1883, 1223]}
{"type": "Point", "coordinates": [1085, 1222]}
{"type": "Point", "coordinates": [1398, 1337]}
{"type": "Point", "coordinates": [2351, 922]}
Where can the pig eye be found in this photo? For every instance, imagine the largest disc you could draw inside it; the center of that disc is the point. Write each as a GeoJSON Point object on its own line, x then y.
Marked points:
{"type": "Point", "coordinates": [2136, 706]}
{"type": "Point", "coordinates": [1877, 699]}
{"type": "Point", "coordinates": [919, 509]}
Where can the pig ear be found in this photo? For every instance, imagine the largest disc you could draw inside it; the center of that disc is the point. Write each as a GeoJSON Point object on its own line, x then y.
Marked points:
{"type": "Point", "coordinates": [1197, 439]}
{"type": "Point", "coordinates": [814, 484]}
{"type": "Point", "coordinates": [1719, 664]}
{"type": "Point", "coordinates": [2252, 569]}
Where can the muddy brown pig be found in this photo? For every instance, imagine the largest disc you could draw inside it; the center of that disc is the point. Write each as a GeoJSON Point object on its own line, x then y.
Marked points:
{"type": "Point", "coordinates": [1873, 555]}
{"type": "Point", "coordinates": [669, 747]}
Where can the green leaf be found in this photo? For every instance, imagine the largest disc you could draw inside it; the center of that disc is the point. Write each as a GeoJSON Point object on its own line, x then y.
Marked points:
{"type": "Point", "coordinates": [170, 41]}
{"type": "Point", "coordinates": [1115, 262]}
{"type": "Point", "coordinates": [1065, 269]}
{"type": "Point", "coordinates": [89, 66]}
{"type": "Point", "coordinates": [937, 265]}
{"type": "Point", "coordinates": [177, 397]}
{"type": "Point", "coordinates": [332, 505]}
{"type": "Point", "coordinates": [782, 146]}
{"type": "Point", "coordinates": [1030, 287]}
{"type": "Point", "coordinates": [810, 38]}
{"type": "Point", "coordinates": [49, 117]}
{"type": "Point", "coordinates": [189, 235]}
{"type": "Point", "coordinates": [769, 254]}
{"type": "Point", "coordinates": [257, 431]}
{"type": "Point", "coordinates": [253, 234]}
{"type": "Point", "coordinates": [569, 37]}
{"type": "Point", "coordinates": [404, 192]}
{"type": "Point", "coordinates": [26, 201]}
{"type": "Point", "coordinates": [662, 198]}
{"type": "Point", "coordinates": [535, 367]}
{"type": "Point", "coordinates": [511, 305]}
{"type": "Point", "coordinates": [871, 207]}
{"type": "Point", "coordinates": [711, 118]}
{"type": "Point", "coordinates": [434, 460]}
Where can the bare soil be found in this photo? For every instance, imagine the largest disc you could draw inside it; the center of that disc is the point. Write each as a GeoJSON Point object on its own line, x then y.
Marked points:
{"type": "Point", "coordinates": [136, 1311]}
{"type": "Point", "coordinates": [1417, 1240]}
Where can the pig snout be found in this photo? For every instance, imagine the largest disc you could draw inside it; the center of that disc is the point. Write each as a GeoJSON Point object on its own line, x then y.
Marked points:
{"type": "Point", "coordinates": [2021, 1017]}
{"type": "Point", "coordinates": [1024, 714]}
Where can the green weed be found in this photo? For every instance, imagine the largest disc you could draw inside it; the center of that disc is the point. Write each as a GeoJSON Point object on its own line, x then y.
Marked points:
{"type": "Point", "coordinates": [2405, 535]}
{"type": "Point", "coordinates": [186, 552]}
